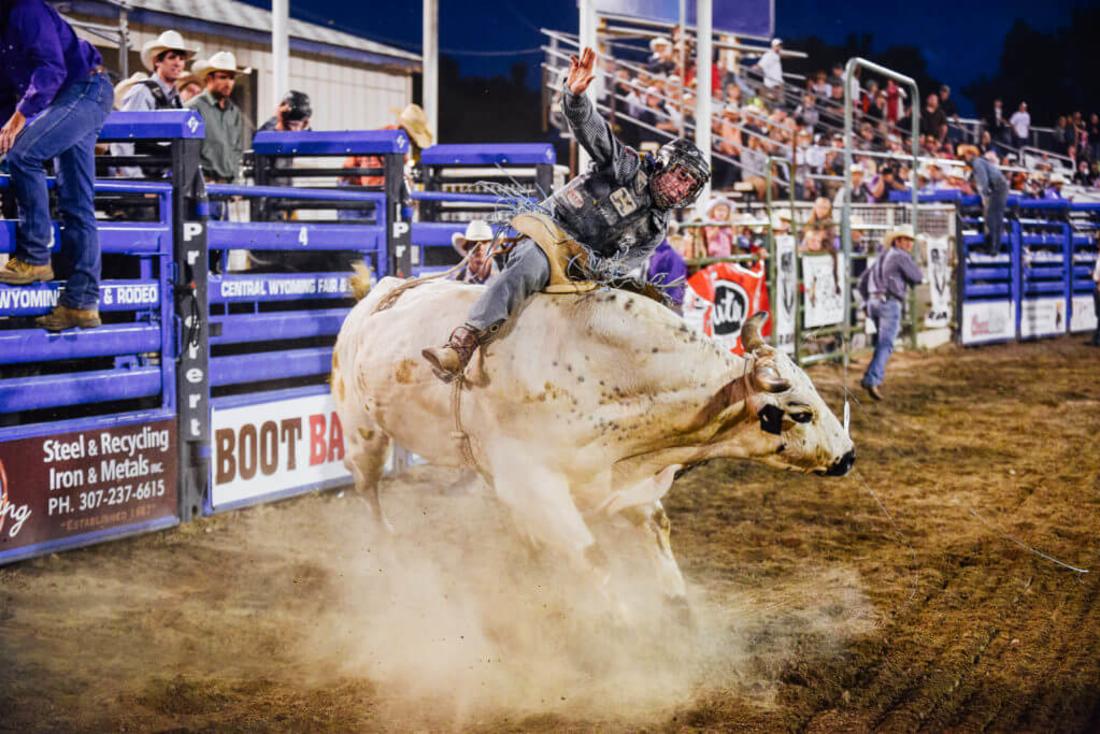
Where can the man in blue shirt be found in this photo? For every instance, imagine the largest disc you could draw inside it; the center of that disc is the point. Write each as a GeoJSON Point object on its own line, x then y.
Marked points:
{"type": "Point", "coordinates": [54, 97]}
{"type": "Point", "coordinates": [991, 185]}
{"type": "Point", "coordinates": [884, 287]}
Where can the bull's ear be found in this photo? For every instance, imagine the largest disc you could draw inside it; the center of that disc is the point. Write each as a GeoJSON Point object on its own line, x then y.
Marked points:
{"type": "Point", "coordinates": [766, 377]}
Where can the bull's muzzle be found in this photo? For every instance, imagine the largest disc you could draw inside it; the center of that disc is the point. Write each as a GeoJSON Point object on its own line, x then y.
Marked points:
{"type": "Point", "coordinates": [841, 466]}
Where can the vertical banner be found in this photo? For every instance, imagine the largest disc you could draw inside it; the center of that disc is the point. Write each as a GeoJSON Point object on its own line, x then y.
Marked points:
{"type": "Point", "coordinates": [940, 282]}
{"type": "Point", "coordinates": [721, 297]}
{"type": "Point", "coordinates": [1083, 313]}
{"type": "Point", "coordinates": [823, 294]}
{"type": "Point", "coordinates": [785, 311]}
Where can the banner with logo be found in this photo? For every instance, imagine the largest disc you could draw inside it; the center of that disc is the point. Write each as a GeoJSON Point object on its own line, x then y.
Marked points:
{"type": "Point", "coordinates": [939, 283]}
{"type": "Point", "coordinates": [1042, 317]}
{"type": "Point", "coordinates": [1083, 313]}
{"type": "Point", "coordinates": [786, 300]}
{"type": "Point", "coordinates": [823, 292]}
{"type": "Point", "coordinates": [276, 448]}
{"type": "Point", "coordinates": [988, 321]}
{"type": "Point", "coordinates": [720, 297]}
{"type": "Point", "coordinates": [67, 485]}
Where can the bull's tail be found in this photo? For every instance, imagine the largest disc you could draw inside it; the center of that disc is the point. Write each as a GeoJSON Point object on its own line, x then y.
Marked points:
{"type": "Point", "coordinates": [360, 281]}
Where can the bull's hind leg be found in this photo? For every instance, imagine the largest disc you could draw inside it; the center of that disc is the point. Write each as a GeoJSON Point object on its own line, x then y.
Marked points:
{"type": "Point", "coordinates": [652, 521]}
{"type": "Point", "coordinates": [368, 447]}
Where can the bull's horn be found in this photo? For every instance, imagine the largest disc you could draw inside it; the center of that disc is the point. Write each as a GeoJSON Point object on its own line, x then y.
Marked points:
{"type": "Point", "coordinates": [767, 378]}
{"type": "Point", "coordinates": [750, 331]}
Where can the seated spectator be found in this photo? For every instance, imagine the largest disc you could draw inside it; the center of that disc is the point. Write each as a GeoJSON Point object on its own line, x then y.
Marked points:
{"type": "Point", "coordinates": [719, 235]}
{"type": "Point", "coordinates": [1082, 176]}
{"type": "Point", "coordinates": [807, 114]}
{"type": "Point", "coordinates": [821, 88]}
{"type": "Point", "coordinates": [886, 181]}
{"type": "Point", "coordinates": [861, 193]}
{"type": "Point", "coordinates": [933, 121]}
{"type": "Point", "coordinates": [821, 218]}
{"type": "Point", "coordinates": [1053, 188]}
{"type": "Point", "coordinates": [660, 60]}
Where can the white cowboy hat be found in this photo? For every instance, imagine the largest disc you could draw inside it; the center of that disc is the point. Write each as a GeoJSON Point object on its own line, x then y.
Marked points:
{"type": "Point", "coordinates": [777, 42]}
{"type": "Point", "coordinates": [126, 85]}
{"type": "Point", "coordinates": [221, 61]}
{"type": "Point", "coordinates": [717, 202]}
{"type": "Point", "coordinates": [896, 232]}
{"type": "Point", "coordinates": [658, 41]}
{"type": "Point", "coordinates": [167, 41]}
{"type": "Point", "coordinates": [478, 230]}
{"type": "Point", "coordinates": [415, 122]}
{"type": "Point", "coordinates": [194, 75]}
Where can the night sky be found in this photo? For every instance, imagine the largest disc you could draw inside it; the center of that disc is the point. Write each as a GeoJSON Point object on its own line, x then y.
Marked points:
{"type": "Point", "coordinates": [961, 39]}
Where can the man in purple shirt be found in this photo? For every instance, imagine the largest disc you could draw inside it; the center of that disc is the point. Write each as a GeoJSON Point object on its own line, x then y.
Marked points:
{"type": "Point", "coordinates": [54, 97]}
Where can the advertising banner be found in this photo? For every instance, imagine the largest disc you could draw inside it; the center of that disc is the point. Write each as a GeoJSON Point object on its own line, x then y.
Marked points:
{"type": "Point", "coordinates": [63, 486]}
{"type": "Point", "coordinates": [720, 297]}
{"type": "Point", "coordinates": [786, 299]}
{"type": "Point", "coordinates": [1083, 315]}
{"type": "Point", "coordinates": [988, 321]}
{"type": "Point", "coordinates": [823, 297]}
{"type": "Point", "coordinates": [1042, 317]}
{"type": "Point", "coordinates": [276, 448]}
{"type": "Point", "coordinates": [940, 283]}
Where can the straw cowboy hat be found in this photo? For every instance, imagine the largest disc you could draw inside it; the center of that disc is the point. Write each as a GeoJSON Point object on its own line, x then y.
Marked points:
{"type": "Point", "coordinates": [717, 202]}
{"type": "Point", "coordinates": [221, 61]}
{"type": "Point", "coordinates": [477, 230]}
{"type": "Point", "coordinates": [167, 41]}
{"type": "Point", "coordinates": [415, 123]}
{"type": "Point", "coordinates": [194, 74]}
{"type": "Point", "coordinates": [126, 85]}
{"type": "Point", "coordinates": [896, 232]}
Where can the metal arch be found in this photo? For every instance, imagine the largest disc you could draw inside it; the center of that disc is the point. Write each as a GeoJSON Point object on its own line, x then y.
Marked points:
{"type": "Point", "coordinates": [846, 212]}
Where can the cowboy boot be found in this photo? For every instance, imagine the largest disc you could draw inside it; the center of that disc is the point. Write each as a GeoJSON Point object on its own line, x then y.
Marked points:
{"type": "Point", "coordinates": [63, 317]}
{"type": "Point", "coordinates": [450, 360]}
{"type": "Point", "coordinates": [18, 272]}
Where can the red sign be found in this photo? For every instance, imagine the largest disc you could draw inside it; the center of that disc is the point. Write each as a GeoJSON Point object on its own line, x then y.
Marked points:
{"type": "Point", "coordinates": [54, 487]}
{"type": "Point", "coordinates": [723, 296]}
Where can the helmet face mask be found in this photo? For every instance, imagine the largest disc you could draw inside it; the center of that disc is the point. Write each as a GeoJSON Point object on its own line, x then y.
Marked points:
{"type": "Point", "coordinates": [682, 172]}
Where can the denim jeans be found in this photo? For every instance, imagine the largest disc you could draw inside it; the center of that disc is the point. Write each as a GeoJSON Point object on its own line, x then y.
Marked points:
{"type": "Point", "coordinates": [995, 218]}
{"type": "Point", "coordinates": [526, 273]}
{"type": "Point", "coordinates": [66, 131]}
{"type": "Point", "coordinates": [886, 313]}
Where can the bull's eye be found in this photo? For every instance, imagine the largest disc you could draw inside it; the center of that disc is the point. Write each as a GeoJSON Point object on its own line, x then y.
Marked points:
{"type": "Point", "coordinates": [802, 416]}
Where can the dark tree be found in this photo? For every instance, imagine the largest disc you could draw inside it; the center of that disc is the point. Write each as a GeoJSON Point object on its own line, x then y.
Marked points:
{"type": "Point", "coordinates": [494, 109]}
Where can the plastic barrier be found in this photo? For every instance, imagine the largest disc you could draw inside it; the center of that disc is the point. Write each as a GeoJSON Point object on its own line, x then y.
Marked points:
{"type": "Point", "coordinates": [89, 451]}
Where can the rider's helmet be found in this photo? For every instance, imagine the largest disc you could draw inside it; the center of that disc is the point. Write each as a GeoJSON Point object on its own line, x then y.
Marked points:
{"type": "Point", "coordinates": [681, 172]}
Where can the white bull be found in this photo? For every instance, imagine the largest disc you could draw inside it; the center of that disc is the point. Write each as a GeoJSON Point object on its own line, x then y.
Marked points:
{"type": "Point", "coordinates": [585, 406]}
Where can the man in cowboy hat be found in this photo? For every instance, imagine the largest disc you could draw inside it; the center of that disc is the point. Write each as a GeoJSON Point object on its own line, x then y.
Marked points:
{"type": "Point", "coordinates": [223, 145]}
{"type": "Point", "coordinates": [190, 84]}
{"type": "Point", "coordinates": [884, 287]}
{"type": "Point", "coordinates": [54, 97]}
{"type": "Point", "coordinates": [414, 122]}
{"type": "Point", "coordinates": [599, 226]}
{"type": "Point", "coordinates": [476, 245]}
{"type": "Point", "coordinates": [991, 185]}
{"type": "Point", "coordinates": [165, 57]}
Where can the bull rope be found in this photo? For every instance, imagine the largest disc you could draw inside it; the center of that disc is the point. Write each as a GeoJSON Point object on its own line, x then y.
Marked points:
{"type": "Point", "coordinates": [465, 446]}
{"type": "Point", "coordinates": [1022, 544]}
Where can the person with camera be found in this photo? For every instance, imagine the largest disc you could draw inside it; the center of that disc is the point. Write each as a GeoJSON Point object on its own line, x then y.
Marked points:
{"type": "Point", "coordinates": [887, 180]}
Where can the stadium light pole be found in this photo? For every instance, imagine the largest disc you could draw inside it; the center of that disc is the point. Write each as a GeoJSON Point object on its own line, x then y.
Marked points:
{"type": "Point", "coordinates": [430, 60]}
{"type": "Point", "coordinates": [280, 51]}
{"type": "Point", "coordinates": [704, 21]}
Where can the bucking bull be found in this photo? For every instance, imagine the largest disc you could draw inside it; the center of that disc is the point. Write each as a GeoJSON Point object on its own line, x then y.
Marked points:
{"type": "Point", "coordinates": [583, 408]}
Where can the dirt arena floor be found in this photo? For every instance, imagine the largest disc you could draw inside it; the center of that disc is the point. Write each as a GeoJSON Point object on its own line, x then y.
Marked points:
{"type": "Point", "coordinates": [812, 609]}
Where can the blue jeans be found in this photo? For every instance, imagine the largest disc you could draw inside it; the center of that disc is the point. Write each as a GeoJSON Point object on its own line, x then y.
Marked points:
{"type": "Point", "coordinates": [527, 273]}
{"type": "Point", "coordinates": [995, 217]}
{"type": "Point", "coordinates": [66, 130]}
{"type": "Point", "coordinates": [886, 314]}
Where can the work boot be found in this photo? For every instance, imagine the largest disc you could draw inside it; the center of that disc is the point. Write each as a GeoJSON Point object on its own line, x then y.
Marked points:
{"type": "Point", "coordinates": [873, 391]}
{"type": "Point", "coordinates": [17, 272]}
{"type": "Point", "coordinates": [63, 317]}
{"type": "Point", "coordinates": [450, 360]}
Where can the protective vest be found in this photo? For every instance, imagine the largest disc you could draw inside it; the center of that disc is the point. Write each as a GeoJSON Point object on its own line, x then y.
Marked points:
{"type": "Point", "coordinates": [721, 297]}
{"type": "Point", "coordinates": [608, 218]}
{"type": "Point", "coordinates": [147, 147]}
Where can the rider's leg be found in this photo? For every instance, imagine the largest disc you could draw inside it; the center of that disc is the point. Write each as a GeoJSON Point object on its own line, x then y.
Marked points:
{"type": "Point", "coordinates": [527, 273]}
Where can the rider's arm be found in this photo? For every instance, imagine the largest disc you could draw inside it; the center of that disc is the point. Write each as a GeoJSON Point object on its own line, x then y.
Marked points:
{"type": "Point", "coordinates": [591, 130]}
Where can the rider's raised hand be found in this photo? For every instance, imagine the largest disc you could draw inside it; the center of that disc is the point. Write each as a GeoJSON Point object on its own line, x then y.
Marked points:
{"type": "Point", "coordinates": [581, 71]}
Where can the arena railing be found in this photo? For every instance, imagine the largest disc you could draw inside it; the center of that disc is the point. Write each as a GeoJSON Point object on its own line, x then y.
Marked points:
{"type": "Point", "coordinates": [1084, 224]}
{"type": "Point", "coordinates": [89, 447]}
{"type": "Point", "coordinates": [474, 181]}
{"type": "Point", "coordinates": [274, 321]}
